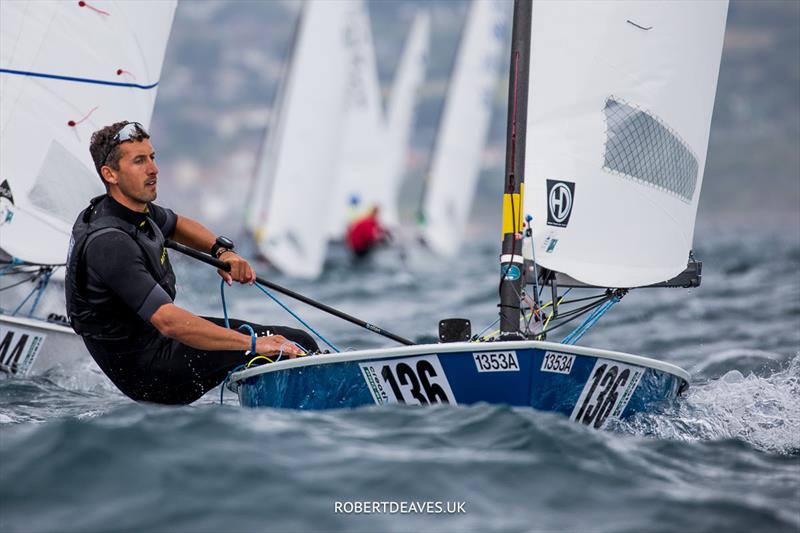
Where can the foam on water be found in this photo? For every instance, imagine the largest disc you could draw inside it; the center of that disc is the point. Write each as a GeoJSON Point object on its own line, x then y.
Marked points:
{"type": "Point", "coordinates": [761, 410]}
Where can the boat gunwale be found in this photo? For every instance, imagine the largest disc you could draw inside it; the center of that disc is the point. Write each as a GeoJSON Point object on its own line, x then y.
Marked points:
{"type": "Point", "coordinates": [30, 322]}
{"type": "Point", "coordinates": [445, 348]}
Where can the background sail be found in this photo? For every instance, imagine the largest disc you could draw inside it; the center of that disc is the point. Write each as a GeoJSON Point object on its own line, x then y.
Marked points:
{"type": "Point", "coordinates": [60, 64]}
{"type": "Point", "coordinates": [301, 167]}
{"type": "Point", "coordinates": [410, 76]}
{"type": "Point", "coordinates": [619, 111]}
{"type": "Point", "coordinates": [376, 143]}
{"type": "Point", "coordinates": [264, 173]}
{"type": "Point", "coordinates": [456, 161]}
{"type": "Point", "coordinates": [362, 172]}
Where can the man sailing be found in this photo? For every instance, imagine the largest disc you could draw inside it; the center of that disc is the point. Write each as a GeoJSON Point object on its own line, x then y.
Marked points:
{"type": "Point", "coordinates": [120, 285]}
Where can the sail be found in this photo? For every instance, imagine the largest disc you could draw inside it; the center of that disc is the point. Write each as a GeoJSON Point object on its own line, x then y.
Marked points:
{"type": "Point", "coordinates": [456, 161]}
{"type": "Point", "coordinates": [362, 172]}
{"type": "Point", "coordinates": [265, 159]}
{"type": "Point", "coordinates": [375, 145]}
{"type": "Point", "coordinates": [619, 110]}
{"type": "Point", "coordinates": [299, 167]}
{"type": "Point", "coordinates": [400, 113]}
{"type": "Point", "coordinates": [66, 70]}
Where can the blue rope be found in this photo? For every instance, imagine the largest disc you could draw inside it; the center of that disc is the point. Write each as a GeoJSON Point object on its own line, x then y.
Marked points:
{"type": "Point", "coordinates": [247, 327]}
{"type": "Point", "coordinates": [42, 286]}
{"type": "Point", "coordinates": [224, 306]}
{"type": "Point", "coordinates": [15, 311]}
{"type": "Point", "coordinates": [277, 301]}
{"type": "Point", "coordinates": [584, 326]}
{"type": "Point", "coordinates": [7, 268]}
{"type": "Point", "coordinates": [590, 321]}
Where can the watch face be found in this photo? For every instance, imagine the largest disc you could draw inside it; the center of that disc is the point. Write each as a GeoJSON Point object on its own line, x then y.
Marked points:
{"type": "Point", "coordinates": [225, 242]}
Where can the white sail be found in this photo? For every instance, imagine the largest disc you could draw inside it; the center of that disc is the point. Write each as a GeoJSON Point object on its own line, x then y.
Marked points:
{"type": "Point", "coordinates": [619, 110]}
{"type": "Point", "coordinates": [266, 157]}
{"type": "Point", "coordinates": [66, 70]}
{"type": "Point", "coordinates": [400, 114]}
{"type": "Point", "coordinates": [375, 145]}
{"type": "Point", "coordinates": [362, 171]}
{"type": "Point", "coordinates": [456, 161]}
{"type": "Point", "coordinates": [299, 167]}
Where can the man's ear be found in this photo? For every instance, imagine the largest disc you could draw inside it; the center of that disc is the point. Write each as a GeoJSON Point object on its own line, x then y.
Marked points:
{"type": "Point", "coordinates": [108, 175]}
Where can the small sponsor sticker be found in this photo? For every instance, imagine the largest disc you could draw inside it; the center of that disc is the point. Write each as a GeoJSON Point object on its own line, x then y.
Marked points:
{"type": "Point", "coordinates": [560, 199]}
{"type": "Point", "coordinates": [496, 361]}
{"type": "Point", "coordinates": [511, 272]}
{"type": "Point", "coordinates": [559, 363]}
{"type": "Point", "coordinates": [548, 244]}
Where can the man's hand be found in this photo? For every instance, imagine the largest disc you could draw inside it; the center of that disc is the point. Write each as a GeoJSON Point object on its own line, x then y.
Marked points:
{"type": "Point", "coordinates": [275, 344]}
{"type": "Point", "coordinates": [241, 270]}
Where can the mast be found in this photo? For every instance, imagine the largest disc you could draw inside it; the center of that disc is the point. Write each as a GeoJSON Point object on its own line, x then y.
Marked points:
{"type": "Point", "coordinates": [511, 261]}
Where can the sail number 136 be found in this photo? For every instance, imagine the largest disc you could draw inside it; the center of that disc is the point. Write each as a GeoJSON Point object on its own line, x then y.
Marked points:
{"type": "Point", "coordinates": [410, 380]}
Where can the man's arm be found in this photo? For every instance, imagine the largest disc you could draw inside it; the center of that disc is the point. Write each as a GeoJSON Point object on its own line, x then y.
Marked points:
{"type": "Point", "coordinates": [183, 326]}
{"type": "Point", "coordinates": [195, 235]}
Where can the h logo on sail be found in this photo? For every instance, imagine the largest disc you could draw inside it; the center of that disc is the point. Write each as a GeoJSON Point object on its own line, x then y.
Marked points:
{"type": "Point", "coordinates": [560, 196]}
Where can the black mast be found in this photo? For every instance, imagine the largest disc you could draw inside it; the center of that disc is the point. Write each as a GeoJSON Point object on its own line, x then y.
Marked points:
{"type": "Point", "coordinates": [511, 261]}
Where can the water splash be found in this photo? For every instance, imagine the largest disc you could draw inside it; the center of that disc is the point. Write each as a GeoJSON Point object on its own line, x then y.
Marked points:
{"type": "Point", "coordinates": [761, 411]}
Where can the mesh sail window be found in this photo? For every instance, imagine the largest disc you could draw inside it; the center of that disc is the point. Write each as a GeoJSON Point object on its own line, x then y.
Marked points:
{"type": "Point", "coordinates": [639, 146]}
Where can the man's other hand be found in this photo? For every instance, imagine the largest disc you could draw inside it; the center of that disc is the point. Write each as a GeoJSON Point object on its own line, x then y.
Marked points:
{"type": "Point", "coordinates": [275, 344]}
{"type": "Point", "coordinates": [241, 270]}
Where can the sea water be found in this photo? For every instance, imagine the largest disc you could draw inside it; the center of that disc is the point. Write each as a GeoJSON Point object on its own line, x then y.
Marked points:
{"type": "Point", "coordinates": [75, 455]}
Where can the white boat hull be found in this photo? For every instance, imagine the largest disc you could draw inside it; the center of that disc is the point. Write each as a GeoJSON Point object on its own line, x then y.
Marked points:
{"type": "Point", "coordinates": [31, 346]}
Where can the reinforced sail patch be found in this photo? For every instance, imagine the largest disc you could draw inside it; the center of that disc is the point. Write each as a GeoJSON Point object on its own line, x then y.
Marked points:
{"type": "Point", "coordinates": [640, 146]}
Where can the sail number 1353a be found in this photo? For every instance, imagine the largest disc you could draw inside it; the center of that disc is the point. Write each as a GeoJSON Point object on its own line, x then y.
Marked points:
{"type": "Point", "coordinates": [413, 380]}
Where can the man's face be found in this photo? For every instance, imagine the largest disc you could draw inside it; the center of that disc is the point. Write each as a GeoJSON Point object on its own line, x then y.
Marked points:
{"type": "Point", "coordinates": [138, 173]}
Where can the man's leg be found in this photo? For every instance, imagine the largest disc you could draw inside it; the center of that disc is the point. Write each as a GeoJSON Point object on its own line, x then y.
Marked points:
{"type": "Point", "coordinates": [186, 373]}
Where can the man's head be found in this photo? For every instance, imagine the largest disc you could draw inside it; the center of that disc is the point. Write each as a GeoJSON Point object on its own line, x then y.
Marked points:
{"type": "Point", "coordinates": [125, 160]}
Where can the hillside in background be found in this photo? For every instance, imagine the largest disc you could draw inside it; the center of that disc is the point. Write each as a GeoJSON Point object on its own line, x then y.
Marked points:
{"type": "Point", "coordinates": [225, 60]}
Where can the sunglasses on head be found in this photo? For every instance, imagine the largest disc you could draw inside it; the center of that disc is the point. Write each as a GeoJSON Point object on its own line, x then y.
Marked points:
{"type": "Point", "coordinates": [131, 131]}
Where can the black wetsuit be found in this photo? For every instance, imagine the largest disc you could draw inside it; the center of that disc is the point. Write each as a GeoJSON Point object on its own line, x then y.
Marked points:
{"type": "Point", "coordinates": [122, 282]}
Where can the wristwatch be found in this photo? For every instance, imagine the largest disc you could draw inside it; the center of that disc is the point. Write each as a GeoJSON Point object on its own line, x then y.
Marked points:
{"type": "Point", "coordinates": [221, 245]}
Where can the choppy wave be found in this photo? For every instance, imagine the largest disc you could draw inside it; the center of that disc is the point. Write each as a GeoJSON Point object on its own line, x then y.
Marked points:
{"type": "Point", "coordinates": [75, 455]}
{"type": "Point", "coordinates": [140, 467]}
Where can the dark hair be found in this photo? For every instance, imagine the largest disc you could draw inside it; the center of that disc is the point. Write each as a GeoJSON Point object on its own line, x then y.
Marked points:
{"type": "Point", "coordinates": [105, 149]}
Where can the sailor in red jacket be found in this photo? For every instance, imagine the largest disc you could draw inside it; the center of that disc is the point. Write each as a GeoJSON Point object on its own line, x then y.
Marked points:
{"type": "Point", "coordinates": [366, 233]}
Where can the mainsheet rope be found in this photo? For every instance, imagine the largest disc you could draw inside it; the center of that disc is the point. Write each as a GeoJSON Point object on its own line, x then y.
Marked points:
{"type": "Point", "coordinates": [283, 305]}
